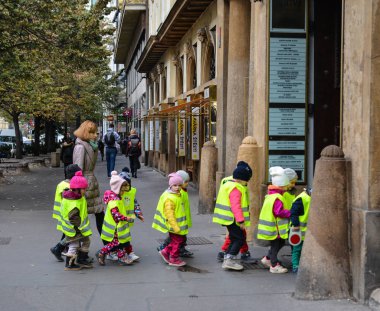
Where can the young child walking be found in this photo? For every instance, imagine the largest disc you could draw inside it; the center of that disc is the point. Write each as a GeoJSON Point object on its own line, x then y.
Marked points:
{"type": "Point", "coordinates": [299, 215]}
{"type": "Point", "coordinates": [116, 227]}
{"type": "Point", "coordinates": [290, 194]}
{"type": "Point", "coordinates": [183, 252]}
{"type": "Point", "coordinates": [232, 211]}
{"type": "Point", "coordinates": [171, 217]}
{"type": "Point", "coordinates": [274, 219]}
{"type": "Point", "coordinates": [75, 223]}
{"type": "Point", "coordinates": [132, 208]}
{"type": "Point", "coordinates": [71, 169]}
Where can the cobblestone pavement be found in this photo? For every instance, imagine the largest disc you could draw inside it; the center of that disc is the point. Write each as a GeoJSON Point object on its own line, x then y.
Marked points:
{"type": "Point", "coordinates": [31, 279]}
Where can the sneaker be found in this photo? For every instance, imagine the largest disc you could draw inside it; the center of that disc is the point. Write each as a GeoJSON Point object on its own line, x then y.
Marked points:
{"type": "Point", "coordinates": [133, 256]}
{"type": "Point", "coordinates": [220, 256]}
{"type": "Point", "coordinates": [160, 247]}
{"type": "Point", "coordinates": [231, 264]}
{"type": "Point", "coordinates": [278, 269]}
{"type": "Point", "coordinates": [125, 261]}
{"type": "Point", "coordinates": [185, 253]}
{"type": "Point", "coordinates": [245, 256]}
{"type": "Point", "coordinates": [266, 262]}
{"type": "Point", "coordinates": [112, 256]}
{"type": "Point", "coordinates": [165, 256]}
{"type": "Point", "coordinates": [176, 262]}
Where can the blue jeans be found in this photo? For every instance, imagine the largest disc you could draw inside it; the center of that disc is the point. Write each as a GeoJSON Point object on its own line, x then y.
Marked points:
{"type": "Point", "coordinates": [110, 158]}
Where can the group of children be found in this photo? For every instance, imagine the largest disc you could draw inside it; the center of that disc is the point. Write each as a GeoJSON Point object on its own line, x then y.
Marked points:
{"type": "Point", "coordinates": [281, 210]}
{"type": "Point", "coordinates": [70, 211]}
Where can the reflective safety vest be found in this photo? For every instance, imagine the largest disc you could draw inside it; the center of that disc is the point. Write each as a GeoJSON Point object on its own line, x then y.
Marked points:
{"type": "Point", "coordinates": [66, 207]}
{"type": "Point", "coordinates": [160, 222]}
{"type": "Point", "coordinates": [306, 199]}
{"type": "Point", "coordinates": [289, 199]}
{"type": "Point", "coordinates": [269, 226]}
{"type": "Point", "coordinates": [186, 204]}
{"type": "Point", "coordinates": [57, 202]}
{"type": "Point", "coordinates": [128, 199]}
{"type": "Point", "coordinates": [110, 226]}
{"type": "Point", "coordinates": [222, 213]}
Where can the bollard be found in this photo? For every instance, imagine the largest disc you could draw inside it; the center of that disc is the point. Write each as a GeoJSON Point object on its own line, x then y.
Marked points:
{"type": "Point", "coordinates": [324, 271]}
{"type": "Point", "coordinates": [250, 152]}
{"type": "Point", "coordinates": [207, 178]}
{"type": "Point", "coordinates": [55, 159]}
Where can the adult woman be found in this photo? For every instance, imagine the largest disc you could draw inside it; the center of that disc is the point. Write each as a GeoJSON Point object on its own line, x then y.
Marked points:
{"type": "Point", "coordinates": [67, 152]}
{"type": "Point", "coordinates": [85, 155]}
{"type": "Point", "coordinates": [134, 152]}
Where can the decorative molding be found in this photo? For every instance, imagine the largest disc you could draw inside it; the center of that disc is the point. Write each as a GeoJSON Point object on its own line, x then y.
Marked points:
{"type": "Point", "coordinates": [201, 34]}
{"type": "Point", "coordinates": [153, 76]}
{"type": "Point", "coordinates": [160, 68]}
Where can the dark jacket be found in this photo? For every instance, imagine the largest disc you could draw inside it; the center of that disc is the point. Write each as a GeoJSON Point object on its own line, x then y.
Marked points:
{"type": "Point", "coordinates": [296, 211]}
{"type": "Point", "coordinates": [134, 146]}
{"type": "Point", "coordinates": [67, 151]}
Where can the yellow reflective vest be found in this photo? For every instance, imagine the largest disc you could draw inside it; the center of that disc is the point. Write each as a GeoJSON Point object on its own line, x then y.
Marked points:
{"type": "Point", "coordinates": [306, 199]}
{"type": "Point", "coordinates": [110, 226]}
{"type": "Point", "coordinates": [160, 222]}
{"type": "Point", "coordinates": [66, 207]}
{"type": "Point", "coordinates": [186, 204]}
{"type": "Point", "coordinates": [269, 226]}
{"type": "Point", "coordinates": [57, 202]}
{"type": "Point", "coordinates": [128, 199]}
{"type": "Point", "coordinates": [289, 199]}
{"type": "Point", "coordinates": [222, 213]}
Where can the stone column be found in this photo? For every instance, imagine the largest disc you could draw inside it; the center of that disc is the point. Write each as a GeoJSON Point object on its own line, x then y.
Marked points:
{"type": "Point", "coordinates": [237, 85]}
{"type": "Point", "coordinates": [324, 271]}
{"type": "Point", "coordinates": [207, 178]}
{"type": "Point", "coordinates": [250, 152]}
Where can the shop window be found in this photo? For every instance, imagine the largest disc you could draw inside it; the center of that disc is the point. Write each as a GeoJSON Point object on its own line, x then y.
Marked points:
{"type": "Point", "coordinates": [179, 77]}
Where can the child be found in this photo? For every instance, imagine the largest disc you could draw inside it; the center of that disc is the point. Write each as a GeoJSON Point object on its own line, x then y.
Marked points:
{"type": "Point", "coordinates": [132, 207]}
{"type": "Point", "coordinates": [244, 252]}
{"type": "Point", "coordinates": [116, 229]}
{"type": "Point", "coordinates": [75, 223]}
{"type": "Point", "coordinates": [71, 169]}
{"type": "Point", "coordinates": [274, 219]}
{"type": "Point", "coordinates": [232, 210]}
{"type": "Point", "coordinates": [171, 217]}
{"type": "Point", "coordinates": [183, 252]}
{"type": "Point", "coordinates": [299, 214]}
{"type": "Point", "coordinates": [290, 193]}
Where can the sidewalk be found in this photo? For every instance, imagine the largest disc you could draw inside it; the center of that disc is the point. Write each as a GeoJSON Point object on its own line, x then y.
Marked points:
{"type": "Point", "coordinates": [31, 278]}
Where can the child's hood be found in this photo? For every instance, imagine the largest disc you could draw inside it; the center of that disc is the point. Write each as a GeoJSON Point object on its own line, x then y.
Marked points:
{"type": "Point", "coordinates": [109, 195]}
{"type": "Point", "coordinates": [275, 189]}
{"type": "Point", "coordinates": [71, 195]}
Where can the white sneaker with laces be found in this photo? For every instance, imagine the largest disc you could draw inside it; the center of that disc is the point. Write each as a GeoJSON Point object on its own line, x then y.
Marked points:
{"type": "Point", "coordinates": [231, 264]}
{"type": "Point", "coordinates": [112, 256]}
{"type": "Point", "coordinates": [132, 256]}
{"type": "Point", "coordinates": [278, 269]}
{"type": "Point", "coordinates": [266, 262]}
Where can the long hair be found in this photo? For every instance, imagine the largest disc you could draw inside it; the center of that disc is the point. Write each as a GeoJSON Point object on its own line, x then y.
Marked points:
{"type": "Point", "coordinates": [85, 129]}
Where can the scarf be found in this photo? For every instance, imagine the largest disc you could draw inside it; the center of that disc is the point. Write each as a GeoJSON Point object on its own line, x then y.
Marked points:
{"type": "Point", "coordinates": [93, 144]}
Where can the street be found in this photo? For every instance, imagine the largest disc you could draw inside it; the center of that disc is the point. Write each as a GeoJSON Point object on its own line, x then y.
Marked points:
{"type": "Point", "coordinates": [32, 279]}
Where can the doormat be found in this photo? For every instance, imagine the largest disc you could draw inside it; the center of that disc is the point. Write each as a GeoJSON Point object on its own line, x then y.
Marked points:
{"type": "Point", "coordinates": [5, 240]}
{"type": "Point", "coordinates": [192, 241]}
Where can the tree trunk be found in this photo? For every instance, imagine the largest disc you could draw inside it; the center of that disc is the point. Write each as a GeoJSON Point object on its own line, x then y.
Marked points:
{"type": "Point", "coordinates": [50, 135]}
{"type": "Point", "coordinates": [18, 136]}
{"type": "Point", "coordinates": [77, 121]}
{"type": "Point", "coordinates": [37, 131]}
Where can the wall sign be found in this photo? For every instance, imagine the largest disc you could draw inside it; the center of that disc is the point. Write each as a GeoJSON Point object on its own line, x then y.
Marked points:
{"type": "Point", "coordinates": [151, 136]}
{"type": "Point", "coordinates": [181, 135]}
{"type": "Point", "coordinates": [195, 134]}
{"type": "Point", "coordinates": [287, 85]}
{"type": "Point", "coordinates": [157, 136]}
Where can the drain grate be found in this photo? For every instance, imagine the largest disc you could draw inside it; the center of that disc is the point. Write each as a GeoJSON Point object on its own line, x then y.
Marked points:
{"type": "Point", "coordinates": [5, 240]}
{"type": "Point", "coordinates": [192, 241]}
{"type": "Point", "coordinates": [253, 264]}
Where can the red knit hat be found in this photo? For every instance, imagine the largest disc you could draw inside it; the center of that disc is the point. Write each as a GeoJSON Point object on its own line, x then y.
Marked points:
{"type": "Point", "coordinates": [78, 181]}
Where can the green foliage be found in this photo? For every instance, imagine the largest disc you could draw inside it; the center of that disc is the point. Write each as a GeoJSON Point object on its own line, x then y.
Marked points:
{"type": "Point", "coordinates": [53, 58]}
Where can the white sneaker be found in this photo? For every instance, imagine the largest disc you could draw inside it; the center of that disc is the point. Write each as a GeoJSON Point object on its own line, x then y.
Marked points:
{"type": "Point", "coordinates": [112, 256]}
{"type": "Point", "coordinates": [278, 269]}
{"type": "Point", "coordinates": [132, 256]}
{"type": "Point", "coordinates": [266, 262]}
{"type": "Point", "coordinates": [231, 264]}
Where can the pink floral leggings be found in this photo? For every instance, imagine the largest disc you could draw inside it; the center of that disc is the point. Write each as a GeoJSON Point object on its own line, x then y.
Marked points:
{"type": "Point", "coordinates": [116, 246]}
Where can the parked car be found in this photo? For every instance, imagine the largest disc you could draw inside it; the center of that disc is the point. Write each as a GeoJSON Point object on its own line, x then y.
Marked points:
{"type": "Point", "coordinates": [5, 150]}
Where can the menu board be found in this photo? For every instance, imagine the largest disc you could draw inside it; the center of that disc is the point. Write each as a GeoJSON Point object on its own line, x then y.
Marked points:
{"type": "Point", "coordinates": [151, 136]}
{"type": "Point", "coordinates": [287, 86]}
{"type": "Point", "coordinates": [181, 136]}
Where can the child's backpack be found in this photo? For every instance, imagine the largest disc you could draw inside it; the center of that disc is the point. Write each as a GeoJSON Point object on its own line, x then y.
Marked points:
{"type": "Point", "coordinates": [109, 139]}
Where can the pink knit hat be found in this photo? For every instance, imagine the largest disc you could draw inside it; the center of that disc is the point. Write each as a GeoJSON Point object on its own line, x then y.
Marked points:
{"type": "Point", "coordinates": [175, 179]}
{"type": "Point", "coordinates": [116, 182]}
{"type": "Point", "coordinates": [78, 181]}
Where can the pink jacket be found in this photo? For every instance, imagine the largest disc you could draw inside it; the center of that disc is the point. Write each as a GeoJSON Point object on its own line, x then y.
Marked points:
{"type": "Point", "coordinates": [278, 207]}
{"type": "Point", "coordinates": [235, 200]}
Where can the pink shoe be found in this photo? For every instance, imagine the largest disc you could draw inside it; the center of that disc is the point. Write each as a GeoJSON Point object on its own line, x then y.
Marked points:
{"type": "Point", "coordinates": [176, 262]}
{"type": "Point", "coordinates": [165, 256]}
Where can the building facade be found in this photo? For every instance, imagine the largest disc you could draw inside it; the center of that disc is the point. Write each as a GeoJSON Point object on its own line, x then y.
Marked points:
{"type": "Point", "coordinates": [297, 76]}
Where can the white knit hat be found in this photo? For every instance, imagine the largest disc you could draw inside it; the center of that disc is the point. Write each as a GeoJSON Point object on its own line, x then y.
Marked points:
{"type": "Point", "coordinates": [116, 182]}
{"type": "Point", "coordinates": [290, 173]}
{"type": "Point", "coordinates": [185, 176]}
{"type": "Point", "coordinates": [278, 176]}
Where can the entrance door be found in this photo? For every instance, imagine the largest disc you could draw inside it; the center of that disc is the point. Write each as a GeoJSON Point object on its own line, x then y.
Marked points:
{"type": "Point", "coordinates": [327, 69]}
